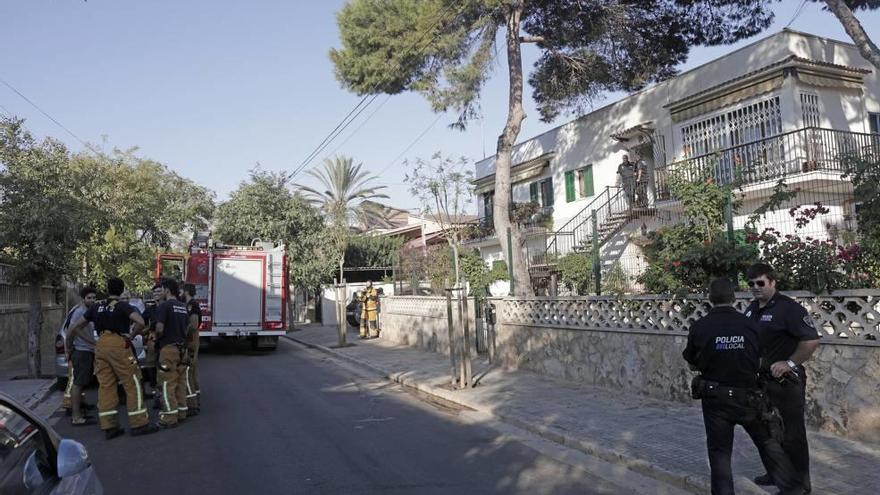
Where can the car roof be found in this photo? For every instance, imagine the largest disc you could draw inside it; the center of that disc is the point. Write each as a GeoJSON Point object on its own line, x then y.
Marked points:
{"type": "Point", "coordinates": [24, 411]}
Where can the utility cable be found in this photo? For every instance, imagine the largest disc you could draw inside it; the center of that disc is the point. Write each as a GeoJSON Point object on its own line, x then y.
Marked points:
{"type": "Point", "coordinates": [797, 13]}
{"type": "Point", "coordinates": [347, 120]}
{"type": "Point", "coordinates": [53, 119]}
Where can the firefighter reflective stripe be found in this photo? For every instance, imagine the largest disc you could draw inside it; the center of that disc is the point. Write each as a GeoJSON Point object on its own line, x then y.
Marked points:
{"type": "Point", "coordinates": [184, 408]}
{"type": "Point", "coordinates": [107, 413]}
{"type": "Point", "coordinates": [165, 396]}
{"type": "Point", "coordinates": [69, 380]}
{"type": "Point", "coordinates": [140, 402]}
{"type": "Point", "coordinates": [139, 411]}
{"type": "Point", "coordinates": [189, 392]}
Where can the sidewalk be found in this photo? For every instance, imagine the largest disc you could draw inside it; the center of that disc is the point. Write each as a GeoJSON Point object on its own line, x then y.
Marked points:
{"type": "Point", "coordinates": [663, 440]}
{"type": "Point", "coordinates": [30, 392]}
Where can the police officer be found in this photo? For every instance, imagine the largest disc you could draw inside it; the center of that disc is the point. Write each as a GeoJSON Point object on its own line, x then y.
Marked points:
{"type": "Point", "coordinates": [724, 347]}
{"type": "Point", "coordinates": [788, 339]}
{"type": "Point", "coordinates": [115, 362]}
{"type": "Point", "coordinates": [194, 313]}
{"type": "Point", "coordinates": [150, 350]}
{"type": "Point", "coordinates": [171, 321]}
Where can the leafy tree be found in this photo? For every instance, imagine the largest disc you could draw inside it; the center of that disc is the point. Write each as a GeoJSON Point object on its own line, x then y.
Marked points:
{"type": "Point", "coordinates": [42, 218]}
{"type": "Point", "coordinates": [139, 207]}
{"type": "Point", "coordinates": [576, 272]}
{"type": "Point", "coordinates": [372, 250]}
{"type": "Point", "coordinates": [264, 207]}
{"type": "Point", "coordinates": [445, 192]}
{"type": "Point", "coordinates": [444, 49]}
{"type": "Point", "coordinates": [345, 199]}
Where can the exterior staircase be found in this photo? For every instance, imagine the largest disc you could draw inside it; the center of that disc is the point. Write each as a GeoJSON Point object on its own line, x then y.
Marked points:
{"type": "Point", "coordinates": [609, 211]}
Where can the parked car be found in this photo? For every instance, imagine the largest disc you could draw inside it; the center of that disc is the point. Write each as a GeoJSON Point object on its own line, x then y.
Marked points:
{"type": "Point", "coordinates": [34, 459]}
{"type": "Point", "coordinates": [61, 356]}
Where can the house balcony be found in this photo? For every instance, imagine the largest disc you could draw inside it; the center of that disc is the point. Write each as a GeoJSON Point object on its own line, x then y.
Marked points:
{"type": "Point", "coordinates": [810, 155]}
{"type": "Point", "coordinates": [532, 219]}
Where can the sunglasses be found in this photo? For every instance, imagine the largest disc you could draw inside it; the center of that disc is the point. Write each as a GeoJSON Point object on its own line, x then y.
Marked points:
{"type": "Point", "coordinates": [759, 283]}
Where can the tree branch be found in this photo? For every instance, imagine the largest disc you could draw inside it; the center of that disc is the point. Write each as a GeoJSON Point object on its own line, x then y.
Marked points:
{"type": "Point", "coordinates": [531, 39]}
{"type": "Point", "coordinates": [854, 29]}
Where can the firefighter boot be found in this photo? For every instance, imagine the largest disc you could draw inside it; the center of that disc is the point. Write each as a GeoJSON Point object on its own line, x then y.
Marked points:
{"type": "Point", "coordinates": [169, 364]}
{"type": "Point", "coordinates": [115, 363]}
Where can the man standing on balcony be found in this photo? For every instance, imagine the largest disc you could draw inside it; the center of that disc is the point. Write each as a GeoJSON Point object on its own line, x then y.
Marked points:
{"type": "Point", "coordinates": [627, 171]}
{"type": "Point", "coordinates": [788, 339]}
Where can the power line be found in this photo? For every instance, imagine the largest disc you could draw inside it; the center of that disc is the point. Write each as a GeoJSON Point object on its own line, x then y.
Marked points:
{"type": "Point", "coordinates": [362, 124]}
{"type": "Point", "coordinates": [411, 144]}
{"type": "Point", "coordinates": [797, 13]}
{"type": "Point", "coordinates": [346, 121]}
{"type": "Point", "coordinates": [59, 124]}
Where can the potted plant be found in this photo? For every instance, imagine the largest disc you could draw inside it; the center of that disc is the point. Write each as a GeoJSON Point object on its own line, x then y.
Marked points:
{"type": "Point", "coordinates": [498, 279]}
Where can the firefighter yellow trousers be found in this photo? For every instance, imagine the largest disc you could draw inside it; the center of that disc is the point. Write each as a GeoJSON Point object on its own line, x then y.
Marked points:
{"type": "Point", "coordinates": [115, 363]}
{"type": "Point", "coordinates": [192, 377]}
{"type": "Point", "coordinates": [172, 383]}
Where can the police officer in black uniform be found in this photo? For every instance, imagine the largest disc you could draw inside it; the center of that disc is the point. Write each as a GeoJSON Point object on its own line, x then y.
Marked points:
{"type": "Point", "coordinates": [724, 347]}
{"type": "Point", "coordinates": [788, 339]}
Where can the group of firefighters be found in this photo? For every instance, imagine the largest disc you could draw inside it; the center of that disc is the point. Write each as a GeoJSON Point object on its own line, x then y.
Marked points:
{"type": "Point", "coordinates": [169, 329]}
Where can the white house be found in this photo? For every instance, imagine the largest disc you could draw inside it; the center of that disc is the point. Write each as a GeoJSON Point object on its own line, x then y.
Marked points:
{"type": "Point", "coordinates": [787, 106]}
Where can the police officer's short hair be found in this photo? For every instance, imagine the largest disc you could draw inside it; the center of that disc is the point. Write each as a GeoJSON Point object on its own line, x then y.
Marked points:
{"type": "Point", "coordinates": [115, 286]}
{"type": "Point", "coordinates": [722, 291]}
{"type": "Point", "coordinates": [759, 269]}
{"type": "Point", "coordinates": [85, 291]}
{"type": "Point", "coordinates": [190, 289]}
{"type": "Point", "coordinates": [171, 285]}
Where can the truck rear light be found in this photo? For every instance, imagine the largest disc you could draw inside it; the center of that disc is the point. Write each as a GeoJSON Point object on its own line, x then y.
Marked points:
{"type": "Point", "coordinates": [205, 325]}
{"type": "Point", "coordinates": [59, 345]}
{"type": "Point", "coordinates": [272, 325]}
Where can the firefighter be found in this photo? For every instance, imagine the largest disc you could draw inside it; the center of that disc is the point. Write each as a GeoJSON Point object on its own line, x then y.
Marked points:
{"type": "Point", "coordinates": [371, 296]}
{"type": "Point", "coordinates": [115, 363]}
{"type": "Point", "coordinates": [361, 297]}
{"type": "Point", "coordinates": [150, 344]}
{"type": "Point", "coordinates": [194, 313]}
{"type": "Point", "coordinates": [171, 322]}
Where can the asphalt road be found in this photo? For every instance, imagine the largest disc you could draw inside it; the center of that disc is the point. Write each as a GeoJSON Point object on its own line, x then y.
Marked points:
{"type": "Point", "coordinates": [296, 421]}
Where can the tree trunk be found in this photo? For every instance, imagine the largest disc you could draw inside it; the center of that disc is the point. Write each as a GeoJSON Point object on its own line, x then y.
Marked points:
{"type": "Point", "coordinates": [455, 265]}
{"type": "Point", "coordinates": [341, 261]}
{"type": "Point", "coordinates": [854, 29]}
{"type": "Point", "coordinates": [34, 330]}
{"type": "Point", "coordinates": [503, 158]}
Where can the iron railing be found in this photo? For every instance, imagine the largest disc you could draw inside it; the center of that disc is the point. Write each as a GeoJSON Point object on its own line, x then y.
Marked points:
{"type": "Point", "coordinates": [612, 207]}
{"type": "Point", "coordinates": [805, 150]}
{"type": "Point", "coordinates": [484, 227]}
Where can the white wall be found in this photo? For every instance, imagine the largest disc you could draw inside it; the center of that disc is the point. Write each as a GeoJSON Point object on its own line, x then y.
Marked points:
{"type": "Point", "coordinates": [328, 300]}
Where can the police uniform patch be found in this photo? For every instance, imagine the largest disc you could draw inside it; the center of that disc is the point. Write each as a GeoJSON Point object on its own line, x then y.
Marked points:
{"type": "Point", "coordinates": [809, 321]}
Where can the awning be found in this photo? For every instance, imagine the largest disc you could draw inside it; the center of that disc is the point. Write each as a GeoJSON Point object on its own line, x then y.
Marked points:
{"type": "Point", "coordinates": [726, 99]}
{"type": "Point", "coordinates": [823, 81]}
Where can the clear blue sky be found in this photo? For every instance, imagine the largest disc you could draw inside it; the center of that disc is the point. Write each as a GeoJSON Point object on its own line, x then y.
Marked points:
{"type": "Point", "coordinates": [212, 88]}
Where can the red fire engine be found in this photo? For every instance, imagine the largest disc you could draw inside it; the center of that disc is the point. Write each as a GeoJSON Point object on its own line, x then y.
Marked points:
{"type": "Point", "coordinates": [242, 290]}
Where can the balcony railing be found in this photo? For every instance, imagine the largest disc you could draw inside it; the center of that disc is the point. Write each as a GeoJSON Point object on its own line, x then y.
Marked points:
{"type": "Point", "coordinates": [537, 222]}
{"type": "Point", "coordinates": [804, 150]}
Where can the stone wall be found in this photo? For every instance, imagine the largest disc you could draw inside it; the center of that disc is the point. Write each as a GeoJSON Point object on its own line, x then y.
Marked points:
{"type": "Point", "coordinates": [420, 321]}
{"type": "Point", "coordinates": [13, 329]}
{"type": "Point", "coordinates": [635, 345]}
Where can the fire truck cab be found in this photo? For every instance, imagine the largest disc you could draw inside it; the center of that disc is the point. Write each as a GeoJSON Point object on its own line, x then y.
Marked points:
{"type": "Point", "coordinates": [242, 290]}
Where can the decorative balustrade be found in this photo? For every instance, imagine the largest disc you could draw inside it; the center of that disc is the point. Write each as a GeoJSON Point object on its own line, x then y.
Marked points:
{"type": "Point", "coordinates": [849, 314]}
{"type": "Point", "coordinates": [423, 306]}
{"type": "Point", "coordinates": [804, 150]}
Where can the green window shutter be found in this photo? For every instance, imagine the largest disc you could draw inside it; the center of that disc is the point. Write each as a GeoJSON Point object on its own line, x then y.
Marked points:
{"type": "Point", "coordinates": [569, 186]}
{"type": "Point", "coordinates": [588, 181]}
{"type": "Point", "coordinates": [533, 192]}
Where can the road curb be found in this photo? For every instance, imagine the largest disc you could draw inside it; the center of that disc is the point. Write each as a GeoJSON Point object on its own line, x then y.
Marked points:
{"type": "Point", "coordinates": [684, 481]}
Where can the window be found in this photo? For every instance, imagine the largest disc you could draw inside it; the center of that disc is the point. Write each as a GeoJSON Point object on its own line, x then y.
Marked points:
{"type": "Point", "coordinates": [488, 204]}
{"type": "Point", "coordinates": [874, 123]}
{"type": "Point", "coordinates": [547, 192]}
{"type": "Point", "coordinates": [578, 183]}
{"type": "Point", "coordinates": [19, 438]}
{"type": "Point", "coordinates": [541, 192]}
{"type": "Point", "coordinates": [742, 125]}
{"type": "Point", "coordinates": [810, 109]}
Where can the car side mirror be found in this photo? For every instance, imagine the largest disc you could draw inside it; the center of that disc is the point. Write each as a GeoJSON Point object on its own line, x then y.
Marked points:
{"type": "Point", "coordinates": [72, 458]}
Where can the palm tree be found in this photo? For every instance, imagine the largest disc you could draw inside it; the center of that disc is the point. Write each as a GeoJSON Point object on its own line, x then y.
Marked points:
{"type": "Point", "coordinates": [345, 199]}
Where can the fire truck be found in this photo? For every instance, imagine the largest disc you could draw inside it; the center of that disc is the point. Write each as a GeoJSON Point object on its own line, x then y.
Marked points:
{"type": "Point", "coordinates": [242, 290]}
